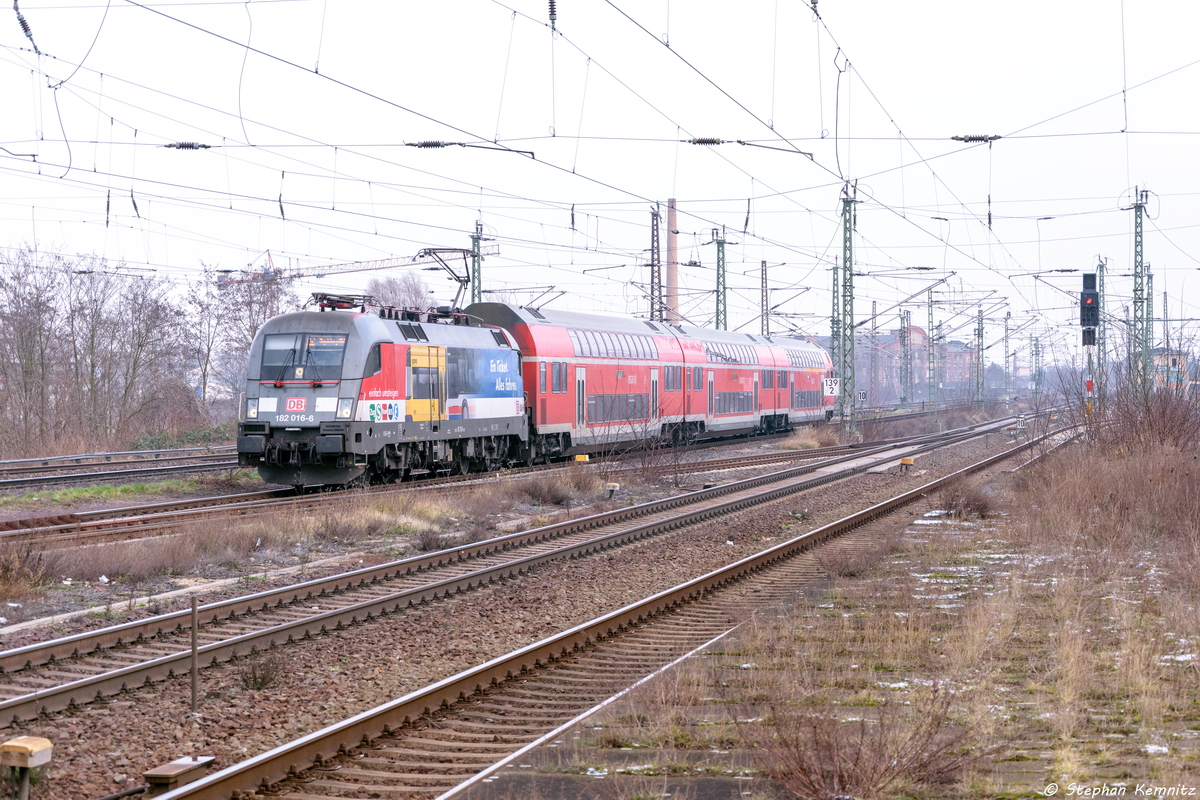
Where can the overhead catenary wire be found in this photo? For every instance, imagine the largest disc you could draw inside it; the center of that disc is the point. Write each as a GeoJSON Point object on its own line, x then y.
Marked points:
{"type": "Point", "coordinates": [350, 169]}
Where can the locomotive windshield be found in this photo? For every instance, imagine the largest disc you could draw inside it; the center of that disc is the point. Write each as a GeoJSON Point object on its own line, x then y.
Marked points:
{"type": "Point", "coordinates": [302, 357]}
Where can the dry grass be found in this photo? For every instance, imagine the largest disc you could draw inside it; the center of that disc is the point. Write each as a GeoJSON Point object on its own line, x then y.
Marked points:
{"type": "Point", "coordinates": [848, 559]}
{"type": "Point", "coordinates": [875, 430]}
{"type": "Point", "coordinates": [474, 515]}
{"type": "Point", "coordinates": [1046, 630]}
{"type": "Point", "coordinates": [810, 438]}
{"type": "Point", "coordinates": [23, 570]}
{"type": "Point", "coordinates": [894, 747]}
{"type": "Point", "coordinates": [203, 545]}
{"type": "Point", "coordinates": [261, 670]}
{"type": "Point", "coordinates": [235, 544]}
{"type": "Point", "coordinates": [965, 498]}
{"type": "Point", "coordinates": [357, 519]}
{"type": "Point", "coordinates": [1122, 502]}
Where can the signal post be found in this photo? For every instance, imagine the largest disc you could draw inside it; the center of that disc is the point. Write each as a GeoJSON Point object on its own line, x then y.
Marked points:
{"type": "Point", "coordinates": [1089, 320]}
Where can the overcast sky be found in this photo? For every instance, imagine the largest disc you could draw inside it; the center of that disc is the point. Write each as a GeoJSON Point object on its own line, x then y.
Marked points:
{"type": "Point", "coordinates": [306, 107]}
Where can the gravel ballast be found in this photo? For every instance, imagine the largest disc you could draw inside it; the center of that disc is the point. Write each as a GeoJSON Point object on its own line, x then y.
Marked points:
{"type": "Point", "coordinates": [104, 747]}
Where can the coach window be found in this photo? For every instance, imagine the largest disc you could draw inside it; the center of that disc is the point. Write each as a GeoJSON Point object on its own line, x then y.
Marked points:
{"type": "Point", "coordinates": [542, 377]}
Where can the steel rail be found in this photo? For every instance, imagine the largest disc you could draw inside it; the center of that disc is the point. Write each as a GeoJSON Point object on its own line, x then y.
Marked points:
{"type": "Point", "coordinates": [112, 682]}
{"type": "Point", "coordinates": [110, 456]}
{"type": "Point", "coordinates": [85, 642]}
{"type": "Point", "coordinates": [136, 519]}
{"type": "Point", "coordinates": [119, 466]}
{"type": "Point", "coordinates": [77, 477]}
{"type": "Point", "coordinates": [277, 764]}
{"type": "Point", "coordinates": [130, 519]}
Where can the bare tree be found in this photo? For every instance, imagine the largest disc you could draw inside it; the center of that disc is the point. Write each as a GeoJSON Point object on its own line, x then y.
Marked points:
{"type": "Point", "coordinates": [244, 307]}
{"type": "Point", "coordinates": [149, 350]}
{"type": "Point", "coordinates": [90, 293]}
{"type": "Point", "coordinates": [204, 329]}
{"type": "Point", "coordinates": [91, 355]}
{"type": "Point", "coordinates": [30, 285]}
{"type": "Point", "coordinates": [407, 291]}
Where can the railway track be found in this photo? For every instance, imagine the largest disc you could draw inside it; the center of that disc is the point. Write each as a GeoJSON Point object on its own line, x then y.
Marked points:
{"type": "Point", "coordinates": [54, 675]}
{"type": "Point", "coordinates": [14, 475]}
{"type": "Point", "coordinates": [126, 456]}
{"type": "Point", "coordinates": [76, 469]}
{"type": "Point", "coordinates": [443, 739]}
{"type": "Point", "coordinates": [87, 527]}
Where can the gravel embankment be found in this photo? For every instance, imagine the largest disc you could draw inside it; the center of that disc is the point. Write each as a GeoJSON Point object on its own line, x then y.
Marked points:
{"type": "Point", "coordinates": [104, 748]}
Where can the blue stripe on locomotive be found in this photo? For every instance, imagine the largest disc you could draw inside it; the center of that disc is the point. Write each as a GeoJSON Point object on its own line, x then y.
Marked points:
{"type": "Point", "coordinates": [482, 383]}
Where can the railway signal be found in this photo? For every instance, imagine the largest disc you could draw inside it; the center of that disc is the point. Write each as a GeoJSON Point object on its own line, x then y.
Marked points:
{"type": "Point", "coordinates": [1089, 309]}
{"type": "Point", "coordinates": [1089, 320]}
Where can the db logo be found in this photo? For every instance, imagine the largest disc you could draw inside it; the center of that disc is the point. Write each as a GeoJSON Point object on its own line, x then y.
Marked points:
{"type": "Point", "coordinates": [295, 404]}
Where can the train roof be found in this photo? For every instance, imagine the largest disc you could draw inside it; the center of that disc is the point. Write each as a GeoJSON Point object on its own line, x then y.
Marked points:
{"type": "Point", "coordinates": [371, 327]}
{"type": "Point", "coordinates": [507, 316]}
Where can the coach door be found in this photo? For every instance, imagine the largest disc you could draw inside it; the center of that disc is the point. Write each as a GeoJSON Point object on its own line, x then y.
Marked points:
{"type": "Point", "coordinates": [580, 397]}
{"type": "Point", "coordinates": [712, 396]}
{"type": "Point", "coordinates": [654, 395]}
{"type": "Point", "coordinates": [426, 389]}
{"type": "Point", "coordinates": [755, 373]}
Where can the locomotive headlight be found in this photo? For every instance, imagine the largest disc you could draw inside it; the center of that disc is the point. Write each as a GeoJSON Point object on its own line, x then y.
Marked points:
{"type": "Point", "coordinates": [252, 408]}
{"type": "Point", "coordinates": [345, 407]}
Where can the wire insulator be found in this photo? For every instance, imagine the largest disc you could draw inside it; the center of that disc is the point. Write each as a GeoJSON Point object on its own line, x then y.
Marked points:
{"type": "Point", "coordinates": [25, 27]}
{"type": "Point", "coordinates": [706, 140]}
{"type": "Point", "coordinates": [188, 146]}
{"type": "Point", "coordinates": [975, 137]}
{"type": "Point", "coordinates": [553, 14]}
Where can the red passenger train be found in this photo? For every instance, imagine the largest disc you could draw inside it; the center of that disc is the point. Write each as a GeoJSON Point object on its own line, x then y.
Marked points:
{"type": "Point", "coordinates": [353, 396]}
{"type": "Point", "coordinates": [593, 381]}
